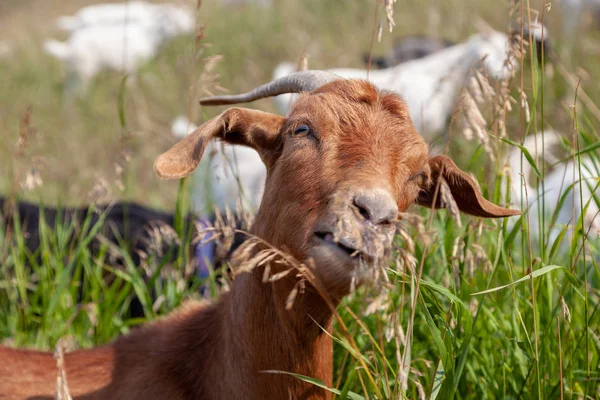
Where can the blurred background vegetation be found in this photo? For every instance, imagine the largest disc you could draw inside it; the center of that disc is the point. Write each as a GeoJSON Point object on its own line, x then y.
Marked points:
{"type": "Point", "coordinates": [504, 344]}
{"type": "Point", "coordinates": [77, 142]}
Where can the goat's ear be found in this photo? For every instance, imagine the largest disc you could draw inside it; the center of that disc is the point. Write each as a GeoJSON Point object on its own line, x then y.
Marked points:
{"type": "Point", "coordinates": [463, 188]}
{"type": "Point", "coordinates": [252, 128]}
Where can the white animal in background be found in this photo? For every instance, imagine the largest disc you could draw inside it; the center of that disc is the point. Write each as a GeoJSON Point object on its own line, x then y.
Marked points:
{"type": "Point", "coordinates": [230, 174]}
{"type": "Point", "coordinates": [572, 12]}
{"type": "Point", "coordinates": [560, 179]}
{"type": "Point", "coordinates": [132, 12]}
{"type": "Point", "coordinates": [110, 40]}
{"type": "Point", "coordinates": [431, 85]}
{"type": "Point", "coordinates": [260, 3]}
{"type": "Point", "coordinates": [88, 51]}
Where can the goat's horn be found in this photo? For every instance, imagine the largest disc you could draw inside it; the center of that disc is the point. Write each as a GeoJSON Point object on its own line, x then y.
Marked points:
{"type": "Point", "coordinates": [304, 81]}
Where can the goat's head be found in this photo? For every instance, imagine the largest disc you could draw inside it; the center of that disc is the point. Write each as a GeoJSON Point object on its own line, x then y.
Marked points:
{"type": "Point", "coordinates": [340, 169]}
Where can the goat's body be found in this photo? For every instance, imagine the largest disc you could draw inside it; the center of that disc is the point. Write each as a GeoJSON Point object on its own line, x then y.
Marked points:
{"type": "Point", "coordinates": [88, 370]}
{"type": "Point", "coordinates": [196, 353]}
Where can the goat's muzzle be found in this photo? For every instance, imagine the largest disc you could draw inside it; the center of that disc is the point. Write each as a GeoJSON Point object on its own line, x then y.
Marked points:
{"type": "Point", "coordinates": [354, 236]}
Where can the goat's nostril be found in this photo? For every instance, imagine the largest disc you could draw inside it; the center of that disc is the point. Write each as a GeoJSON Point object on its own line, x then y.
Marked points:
{"type": "Point", "coordinates": [376, 207]}
{"type": "Point", "coordinates": [362, 209]}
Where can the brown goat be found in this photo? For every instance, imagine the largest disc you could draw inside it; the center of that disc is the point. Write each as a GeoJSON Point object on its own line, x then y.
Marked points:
{"type": "Point", "coordinates": [340, 168]}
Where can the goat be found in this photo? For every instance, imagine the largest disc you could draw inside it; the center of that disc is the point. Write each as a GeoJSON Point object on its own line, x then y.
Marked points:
{"type": "Point", "coordinates": [120, 45]}
{"type": "Point", "coordinates": [562, 180]}
{"type": "Point", "coordinates": [122, 222]}
{"type": "Point", "coordinates": [572, 13]}
{"type": "Point", "coordinates": [259, 3]}
{"type": "Point", "coordinates": [408, 48]}
{"type": "Point", "coordinates": [340, 169]}
{"type": "Point", "coordinates": [131, 12]}
{"type": "Point", "coordinates": [431, 85]}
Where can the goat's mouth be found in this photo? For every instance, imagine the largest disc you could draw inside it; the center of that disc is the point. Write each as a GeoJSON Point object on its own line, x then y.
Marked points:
{"type": "Point", "coordinates": [343, 246]}
{"type": "Point", "coordinates": [344, 258]}
{"type": "Point", "coordinates": [328, 238]}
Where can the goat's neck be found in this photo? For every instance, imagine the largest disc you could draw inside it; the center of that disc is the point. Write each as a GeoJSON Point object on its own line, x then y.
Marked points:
{"type": "Point", "coordinates": [301, 322]}
{"type": "Point", "coordinates": [267, 336]}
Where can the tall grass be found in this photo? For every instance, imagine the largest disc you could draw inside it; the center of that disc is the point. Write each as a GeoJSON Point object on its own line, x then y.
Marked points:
{"type": "Point", "coordinates": [468, 309]}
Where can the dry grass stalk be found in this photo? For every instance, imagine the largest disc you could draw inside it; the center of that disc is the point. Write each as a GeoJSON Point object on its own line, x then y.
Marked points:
{"type": "Point", "coordinates": [92, 312]}
{"type": "Point", "coordinates": [25, 131]}
{"type": "Point", "coordinates": [62, 387]}
{"type": "Point", "coordinates": [449, 203]}
{"type": "Point", "coordinates": [29, 178]}
{"type": "Point", "coordinates": [299, 288]}
{"type": "Point", "coordinates": [378, 304]}
{"type": "Point", "coordinates": [209, 78]}
{"type": "Point", "coordinates": [503, 107]}
{"type": "Point", "coordinates": [415, 222]}
{"type": "Point", "coordinates": [456, 258]}
{"type": "Point", "coordinates": [389, 13]}
{"type": "Point", "coordinates": [475, 125]}
{"type": "Point", "coordinates": [303, 62]}
{"type": "Point", "coordinates": [419, 386]}
{"type": "Point", "coordinates": [100, 192]}
{"type": "Point", "coordinates": [480, 257]}
{"type": "Point", "coordinates": [33, 179]}
{"type": "Point", "coordinates": [565, 309]}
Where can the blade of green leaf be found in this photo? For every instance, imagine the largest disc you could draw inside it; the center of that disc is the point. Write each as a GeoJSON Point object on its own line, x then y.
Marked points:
{"type": "Point", "coordinates": [534, 274]}
{"type": "Point", "coordinates": [121, 101]}
{"type": "Point", "coordinates": [527, 156]}
{"type": "Point", "coordinates": [316, 382]}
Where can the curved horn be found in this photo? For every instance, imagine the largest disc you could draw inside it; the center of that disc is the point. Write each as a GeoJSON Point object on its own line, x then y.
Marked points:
{"type": "Point", "coordinates": [304, 81]}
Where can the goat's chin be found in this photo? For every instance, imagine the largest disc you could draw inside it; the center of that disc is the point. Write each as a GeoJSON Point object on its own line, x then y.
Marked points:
{"type": "Point", "coordinates": [339, 272]}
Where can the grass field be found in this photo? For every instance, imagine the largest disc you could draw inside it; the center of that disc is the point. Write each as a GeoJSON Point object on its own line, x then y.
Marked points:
{"type": "Point", "coordinates": [538, 337]}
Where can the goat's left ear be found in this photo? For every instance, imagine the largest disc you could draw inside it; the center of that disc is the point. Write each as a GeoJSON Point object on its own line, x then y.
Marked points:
{"type": "Point", "coordinates": [252, 128]}
{"type": "Point", "coordinates": [462, 187]}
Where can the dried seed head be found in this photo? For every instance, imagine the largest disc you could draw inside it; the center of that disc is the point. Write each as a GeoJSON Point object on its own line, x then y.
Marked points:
{"type": "Point", "coordinates": [565, 309]}
{"type": "Point", "coordinates": [33, 180]}
{"type": "Point", "coordinates": [389, 13]}
{"type": "Point", "coordinates": [449, 203]}
{"type": "Point", "coordinates": [62, 388]}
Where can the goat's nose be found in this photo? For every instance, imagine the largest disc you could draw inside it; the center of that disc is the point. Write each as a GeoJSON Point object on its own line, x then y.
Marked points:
{"type": "Point", "coordinates": [376, 206]}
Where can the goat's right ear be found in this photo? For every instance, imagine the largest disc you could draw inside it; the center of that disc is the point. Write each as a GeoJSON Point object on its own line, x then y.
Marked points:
{"type": "Point", "coordinates": [252, 128]}
{"type": "Point", "coordinates": [463, 188]}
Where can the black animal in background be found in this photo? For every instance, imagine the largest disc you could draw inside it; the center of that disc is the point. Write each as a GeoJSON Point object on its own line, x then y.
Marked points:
{"type": "Point", "coordinates": [125, 225]}
{"type": "Point", "coordinates": [408, 48]}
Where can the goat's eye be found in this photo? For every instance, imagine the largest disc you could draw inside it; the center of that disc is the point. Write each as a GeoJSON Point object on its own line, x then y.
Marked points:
{"type": "Point", "coordinates": [302, 130]}
{"type": "Point", "coordinates": [419, 178]}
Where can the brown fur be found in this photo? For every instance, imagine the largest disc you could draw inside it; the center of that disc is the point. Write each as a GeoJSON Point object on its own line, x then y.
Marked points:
{"type": "Point", "coordinates": [361, 141]}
